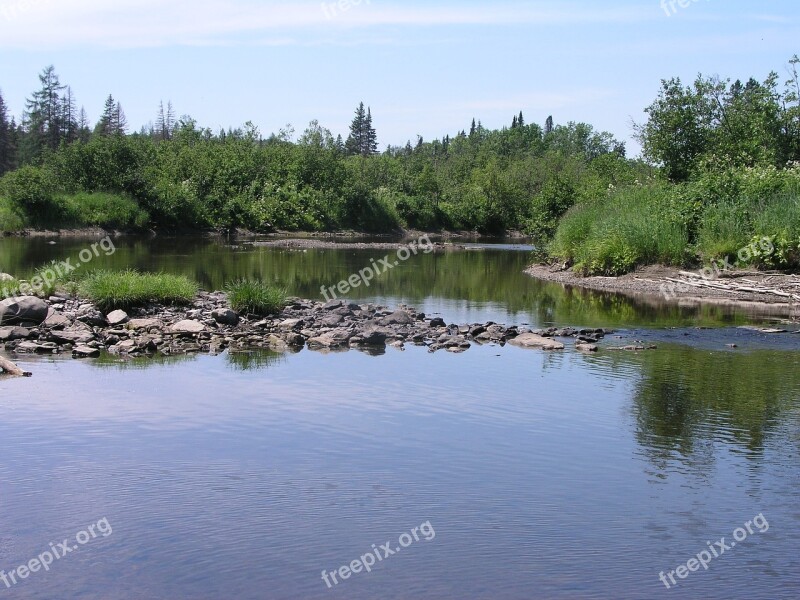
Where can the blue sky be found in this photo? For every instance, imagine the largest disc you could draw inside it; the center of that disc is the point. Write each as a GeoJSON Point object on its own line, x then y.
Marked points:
{"type": "Point", "coordinates": [424, 67]}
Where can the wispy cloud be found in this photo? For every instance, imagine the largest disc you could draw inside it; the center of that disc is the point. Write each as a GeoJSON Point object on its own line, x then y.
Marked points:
{"type": "Point", "coordinates": [141, 23]}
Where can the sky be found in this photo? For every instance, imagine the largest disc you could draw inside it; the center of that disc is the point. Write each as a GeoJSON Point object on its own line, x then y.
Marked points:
{"type": "Point", "coordinates": [424, 68]}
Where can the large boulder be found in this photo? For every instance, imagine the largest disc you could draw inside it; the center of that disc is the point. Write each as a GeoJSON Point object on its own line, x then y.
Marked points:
{"type": "Point", "coordinates": [531, 340]}
{"type": "Point", "coordinates": [187, 327]}
{"type": "Point", "coordinates": [398, 317]}
{"type": "Point", "coordinates": [225, 316]}
{"type": "Point", "coordinates": [25, 309]}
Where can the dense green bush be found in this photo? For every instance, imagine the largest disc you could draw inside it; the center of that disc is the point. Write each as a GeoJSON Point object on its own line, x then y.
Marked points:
{"type": "Point", "coordinates": [30, 190]}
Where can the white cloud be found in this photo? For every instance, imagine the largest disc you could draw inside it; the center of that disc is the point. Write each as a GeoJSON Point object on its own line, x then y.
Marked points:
{"type": "Point", "coordinates": [141, 23]}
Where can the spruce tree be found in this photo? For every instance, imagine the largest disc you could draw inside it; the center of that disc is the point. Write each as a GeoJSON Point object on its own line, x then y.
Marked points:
{"type": "Point", "coordinates": [69, 118]}
{"type": "Point", "coordinates": [472, 129]}
{"type": "Point", "coordinates": [370, 137]}
{"type": "Point", "coordinates": [356, 140]}
{"type": "Point", "coordinates": [42, 119]}
{"type": "Point", "coordinates": [5, 138]}
{"type": "Point", "coordinates": [514, 122]}
{"type": "Point", "coordinates": [520, 120]}
{"type": "Point", "coordinates": [548, 125]}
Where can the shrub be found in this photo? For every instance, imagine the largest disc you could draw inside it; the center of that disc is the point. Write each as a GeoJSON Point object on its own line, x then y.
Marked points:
{"type": "Point", "coordinates": [256, 297]}
{"type": "Point", "coordinates": [30, 189]}
{"type": "Point", "coordinates": [11, 217]}
{"type": "Point", "coordinates": [125, 289]}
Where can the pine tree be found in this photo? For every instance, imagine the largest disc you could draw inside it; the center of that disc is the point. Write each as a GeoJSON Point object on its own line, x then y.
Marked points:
{"type": "Point", "coordinates": [120, 124]}
{"type": "Point", "coordinates": [520, 120]}
{"type": "Point", "coordinates": [370, 137]}
{"type": "Point", "coordinates": [69, 122]}
{"type": "Point", "coordinates": [514, 122]}
{"type": "Point", "coordinates": [84, 129]}
{"type": "Point", "coordinates": [472, 129]}
{"type": "Point", "coordinates": [106, 123]}
{"type": "Point", "coordinates": [165, 121]}
{"type": "Point", "coordinates": [6, 160]}
{"type": "Point", "coordinates": [42, 119]}
{"type": "Point", "coordinates": [548, 125]}
{"type": "Point", "coordinates": [355, 141]}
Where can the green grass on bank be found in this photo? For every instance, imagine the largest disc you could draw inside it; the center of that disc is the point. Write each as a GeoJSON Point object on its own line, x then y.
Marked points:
{"type": "Point", "coordinates": [126, 289]}
{"type": "Point", "coordinates": [256, 297]}
{"type": "Point", "coordinates": [100, 209]}
{"type": "Point", "coordinates": [613, 235]}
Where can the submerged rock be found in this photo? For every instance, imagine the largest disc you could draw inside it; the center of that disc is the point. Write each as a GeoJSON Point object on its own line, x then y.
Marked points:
{"type": "Point", "coordinates": [532, 340]}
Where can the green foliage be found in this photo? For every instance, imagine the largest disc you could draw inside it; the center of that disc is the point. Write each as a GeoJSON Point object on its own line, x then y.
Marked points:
{"type": "Point", "coordinates": [255, 297]}
{"type": "Point", "coordinates": [103, 210]}
{"type": "Point", "coordinates": [30, 189]}
{"type": "Point", "coordinates": [112, 290]}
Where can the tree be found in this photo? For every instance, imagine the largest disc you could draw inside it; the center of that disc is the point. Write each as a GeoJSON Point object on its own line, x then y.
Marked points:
{"type": "Point", "coordinates": [42, 119]}
{"type": "Point", "coordinates": [113, 121]}
{"type": "Point", "coordinates": [362, 139]}
{"type": "Point", "coordinates": [548, 125]}
{"type": "Point", "coordinates": [472, 129]}
{"type": "Point", "coordinates": [514, 122]}
{"type": "Point", "coordinates": [84, 129]}
{"type": "Point", "coordinates": [6, 158]}
{"type": "Point", "coordinates": [520, 120]}
{"type": "Point", "coordinates": [165, 121]}
{"type": "Point", "coordinates": [69, 118]}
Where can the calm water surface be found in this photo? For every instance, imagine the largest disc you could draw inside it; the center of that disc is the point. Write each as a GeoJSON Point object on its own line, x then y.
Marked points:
{"type": "Point", "coordinates": [544, 476]}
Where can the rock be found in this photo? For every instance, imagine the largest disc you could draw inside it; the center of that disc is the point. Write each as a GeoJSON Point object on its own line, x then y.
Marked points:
{"type": "Point", "coordinates": [144, 323]}
{"type": "Point", "coordinates": [332, 320]}
{"type": "Point", "coordinates": [72, 337]}
{"type": "Point", "coordinates": [56, 320]}
{"type": "Point", "coordinates": [531, 340]}
{"type": "Point", "coordinates": [94, 318]}
{"type": "Point", "coordinates": [118, 317]}
{"type": "Point", "coordinates": [291, 324]}
{"type": "Point", "coordinates": [9, 334]}
{"type": "Point", "coordinates": [225, 316]}
{"type": "Point", "coordinates": [439, 322]}
{"type": "Point", "coordinates": [85, 352]}
{"type": "Point", "coordinates": [398, 317]}
{"type": "Point", "coordinates": [26, 309]}
{"type": "Point", "coordinates": [36, 348]}
{"type": "Point", "coordinates": [123, 347]}
{"type": "Point", "coordinates": [584, 347]}
{"type": "Point", "coordinates": [6, 277]}
{"type": "Point", "coordinates": [188, 327]}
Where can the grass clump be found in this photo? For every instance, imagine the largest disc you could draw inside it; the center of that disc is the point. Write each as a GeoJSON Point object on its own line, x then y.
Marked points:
{"type": "Point", "coordinates": [256, 297]}
{"type": "Point", "coordinates": [111, 290]}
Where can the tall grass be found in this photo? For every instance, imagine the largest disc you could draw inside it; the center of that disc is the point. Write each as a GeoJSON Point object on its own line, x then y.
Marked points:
{"type": "Point", "coordinates": [127, 289]}
{"type": "Point", "coordinates": [613, 235]}
{"type": "Point", "coordinates": [103, 210]}
{"type": "Point", "coordinates": [256, 297]}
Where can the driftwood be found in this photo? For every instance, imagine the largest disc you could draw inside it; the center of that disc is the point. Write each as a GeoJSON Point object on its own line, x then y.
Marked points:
{"type": "Point", "coordinates": [751, 288]}
{"type": "Point", "coordinates": [12, 369]}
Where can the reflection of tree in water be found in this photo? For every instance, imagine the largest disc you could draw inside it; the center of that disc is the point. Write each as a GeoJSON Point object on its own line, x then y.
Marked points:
{"type": "Point", "coordinates": [253, 360]}
{"type": "Point", "coordinates": [690, 402]}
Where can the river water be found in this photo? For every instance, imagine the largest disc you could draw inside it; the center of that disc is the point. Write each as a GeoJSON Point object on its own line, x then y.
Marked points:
{"type": "Point", "coordinates": [527, 475]}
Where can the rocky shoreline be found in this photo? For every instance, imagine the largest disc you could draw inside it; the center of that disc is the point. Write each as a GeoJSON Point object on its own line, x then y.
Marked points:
{"type": "Point", "coordinates": [63, 324]}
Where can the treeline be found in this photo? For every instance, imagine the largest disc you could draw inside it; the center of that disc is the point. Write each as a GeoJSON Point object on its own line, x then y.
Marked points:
{"type": "Point", "coordinates": [177, 174]}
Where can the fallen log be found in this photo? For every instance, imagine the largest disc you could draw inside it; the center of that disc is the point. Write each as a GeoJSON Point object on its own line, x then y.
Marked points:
{"type": "Point", "coordinates": [12, 369]}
